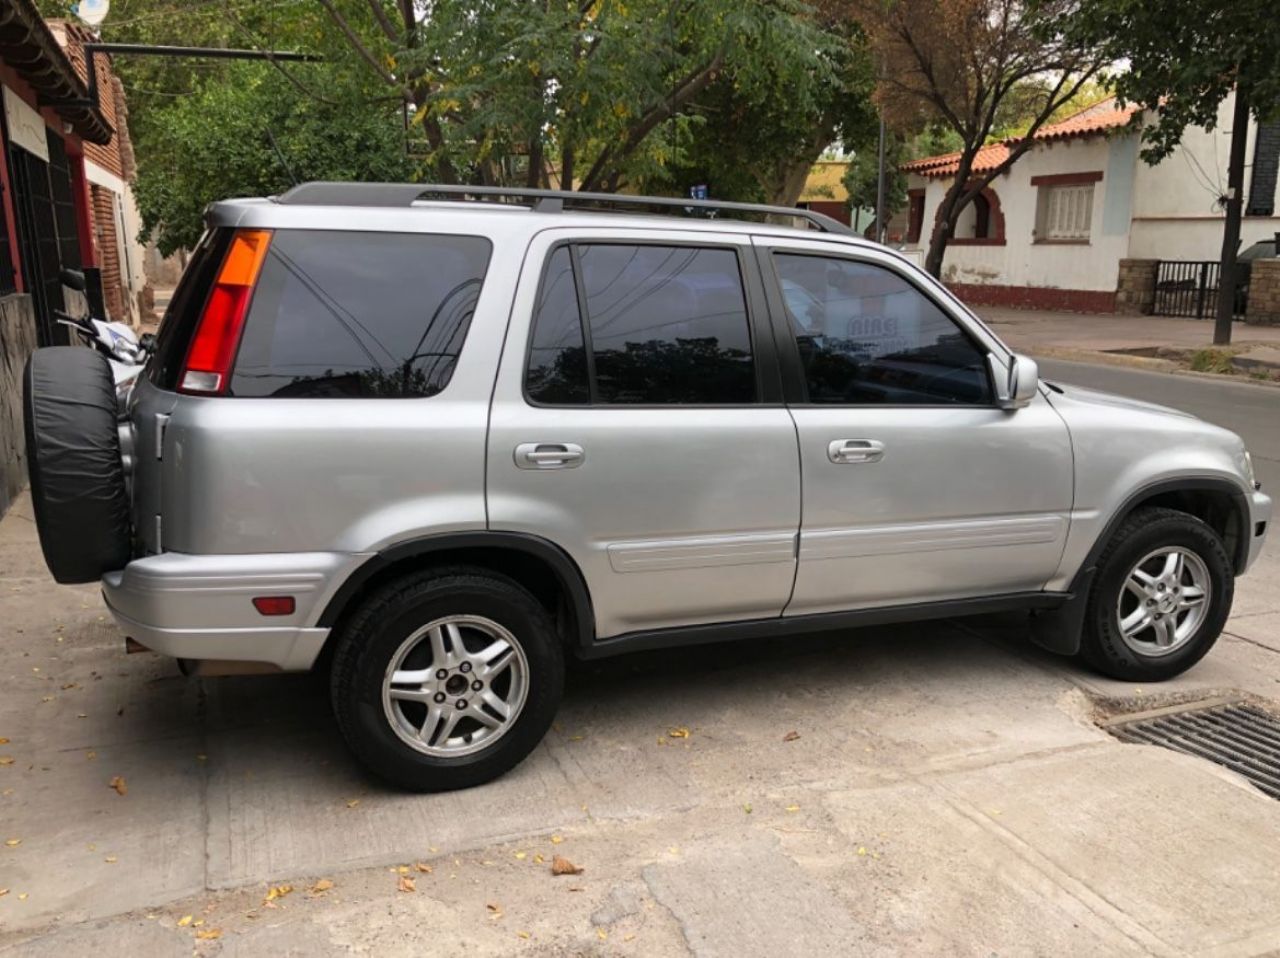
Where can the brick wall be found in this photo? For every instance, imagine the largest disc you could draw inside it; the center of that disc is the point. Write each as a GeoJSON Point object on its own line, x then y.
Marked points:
{"type": "Point", "coordinates": [1264, 293]}
{"type": "Point", "coordinates": [17, 341]}
{"type": "Point", "coordinates": [1136, 286]}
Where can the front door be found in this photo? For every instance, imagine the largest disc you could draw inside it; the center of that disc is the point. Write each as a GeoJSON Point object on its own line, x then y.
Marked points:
{"type": "Point", "coordinates": [916, 487]}
{"type": "Point", "coordinates": [640, 427]}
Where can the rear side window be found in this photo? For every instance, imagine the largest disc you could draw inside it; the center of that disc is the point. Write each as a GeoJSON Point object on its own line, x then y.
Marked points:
{"type": "Point", "coordinates": [183, 315]}
{"type": "Point", "coordinates": [372, 315]}
{"type": "Point", "coordinates": [663, 325]}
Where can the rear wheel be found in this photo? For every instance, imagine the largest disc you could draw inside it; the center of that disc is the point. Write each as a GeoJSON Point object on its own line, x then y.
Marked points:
{"type": "Point", "coordinates": [1160, 598]}
{"type": "Point", "coordinates": [446, 679]}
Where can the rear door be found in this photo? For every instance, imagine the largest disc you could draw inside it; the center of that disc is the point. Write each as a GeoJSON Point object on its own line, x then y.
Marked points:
{"type": "Point", "coordinates": [917, 487]}
{"type": "Point", "coordinates": [637, 423]}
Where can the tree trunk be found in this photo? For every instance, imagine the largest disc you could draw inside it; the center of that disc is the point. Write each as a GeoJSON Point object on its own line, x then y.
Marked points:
{"type": "Point", "coordinates": [943, 225]}
{"type": "Point", "coordinates": [1231, 229]}
{"type": "Point", "coordinates": [785, 182]}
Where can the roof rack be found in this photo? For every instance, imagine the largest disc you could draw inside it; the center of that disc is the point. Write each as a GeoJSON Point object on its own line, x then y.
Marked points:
{"type": "Point", "coordinates": [543, 201]}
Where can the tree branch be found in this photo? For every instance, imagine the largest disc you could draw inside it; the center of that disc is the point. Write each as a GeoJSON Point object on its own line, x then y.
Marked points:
{"type": "Point", "coordinates": [357, 44]}
{"type": "Point", "coordinates": [384, 21]}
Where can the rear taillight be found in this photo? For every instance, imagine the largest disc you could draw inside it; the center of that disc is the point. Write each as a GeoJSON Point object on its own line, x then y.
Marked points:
{"type": "Point", "coordinates": [208, 365]}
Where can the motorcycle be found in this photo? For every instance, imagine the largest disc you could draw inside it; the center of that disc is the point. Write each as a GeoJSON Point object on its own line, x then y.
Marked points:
{"type": "Point", "coordinates": [125, 352]}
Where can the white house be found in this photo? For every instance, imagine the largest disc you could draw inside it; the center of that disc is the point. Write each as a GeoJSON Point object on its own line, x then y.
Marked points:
{"type": "Point", "coordinates": [1051, 232]}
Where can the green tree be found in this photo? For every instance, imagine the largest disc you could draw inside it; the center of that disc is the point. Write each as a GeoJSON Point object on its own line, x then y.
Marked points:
{"type": "Point", "coordinates": [218, 142]}
{"type": "Point", "coordinates": [1184, 58]}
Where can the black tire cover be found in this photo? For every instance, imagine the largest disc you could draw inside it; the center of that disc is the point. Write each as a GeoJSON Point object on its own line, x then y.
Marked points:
{"type": "Point", "coordinates": [73, 459]}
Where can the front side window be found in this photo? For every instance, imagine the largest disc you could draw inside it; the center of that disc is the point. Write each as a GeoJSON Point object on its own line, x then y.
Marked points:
{"type": "Point", "coordinates": [359, 315]}
{"type": "Point", "coordinates": [866, 336]}
{"type": "Point", "coordinates": [663, 325]}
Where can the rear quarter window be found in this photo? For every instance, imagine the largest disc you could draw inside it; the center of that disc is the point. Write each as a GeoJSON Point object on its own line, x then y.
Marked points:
{"type": "Point", "coordinates": [363, 315]}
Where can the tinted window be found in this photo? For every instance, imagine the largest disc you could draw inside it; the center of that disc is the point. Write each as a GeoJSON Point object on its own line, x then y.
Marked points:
{"type": "Point", "coordinates": [557, 372]}
{"type": "Point", "coordinates": [668, 324]}
{"type": "Point", "coordinates": [359, 314]}
{"type": "Point", "coordinates": [178, 324]}
{"type": "Point", "coordinates": [866, 335]}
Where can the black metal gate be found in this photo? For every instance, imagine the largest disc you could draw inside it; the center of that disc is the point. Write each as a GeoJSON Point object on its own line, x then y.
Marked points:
{"type": "Point", "coordinates": [1190, 288]}
{"type": "Point", "coordinates": [47, 237]}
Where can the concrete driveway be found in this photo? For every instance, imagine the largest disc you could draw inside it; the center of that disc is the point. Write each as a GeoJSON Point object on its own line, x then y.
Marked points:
{"type": "Point", "coordinates": [946, 791]}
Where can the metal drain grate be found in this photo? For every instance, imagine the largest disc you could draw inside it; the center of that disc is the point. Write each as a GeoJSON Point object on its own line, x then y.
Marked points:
{"type": "Point", "coordinates": [1234, 735]}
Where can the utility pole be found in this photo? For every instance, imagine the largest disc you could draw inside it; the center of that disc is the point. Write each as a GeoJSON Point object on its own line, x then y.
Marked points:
{"type": "Point", "coordinates": [880, 230]}
{"type": "Point", "coordinates": [1231, 228]}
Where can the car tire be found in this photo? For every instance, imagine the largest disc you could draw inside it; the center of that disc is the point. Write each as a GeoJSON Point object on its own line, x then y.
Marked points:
{"type": "Point", "coordinates": [1169, 616]}
{"type": "Point", "coordinates": [401, 729]}
{"type": "Point", "coordinates": [73, 460]}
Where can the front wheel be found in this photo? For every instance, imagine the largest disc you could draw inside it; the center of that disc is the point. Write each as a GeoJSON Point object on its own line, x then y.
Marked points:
{"type": "Point", "coordinates": [446, 679]}
{"type": "Point", "coordinates": [1160, 598]}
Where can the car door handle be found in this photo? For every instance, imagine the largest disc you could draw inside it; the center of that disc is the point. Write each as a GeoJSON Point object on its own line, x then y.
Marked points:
{"type": "Point", "coordinates": [548, 455]}
{"type": "Point", "coordinates": [855, 450]}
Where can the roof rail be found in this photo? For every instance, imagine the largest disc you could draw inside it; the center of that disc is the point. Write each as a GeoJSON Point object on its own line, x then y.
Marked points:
{"type": "Point", "coordinates": [543, 201]}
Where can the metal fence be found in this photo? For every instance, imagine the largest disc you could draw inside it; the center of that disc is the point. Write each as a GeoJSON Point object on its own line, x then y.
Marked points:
{"type": "Point", "coordinates": [1190, 288]}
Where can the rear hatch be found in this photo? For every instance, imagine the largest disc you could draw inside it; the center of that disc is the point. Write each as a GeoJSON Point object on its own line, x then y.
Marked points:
{"type": "Point", "coordinates": [271, 417]}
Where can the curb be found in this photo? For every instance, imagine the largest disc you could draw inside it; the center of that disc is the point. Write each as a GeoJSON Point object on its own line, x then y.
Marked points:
{"type": "Point", "coordinates": [1148, 364]}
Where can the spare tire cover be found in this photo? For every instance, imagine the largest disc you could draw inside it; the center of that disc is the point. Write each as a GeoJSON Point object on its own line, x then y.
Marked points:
{"type": "Point", "coordinates": [73, 459]}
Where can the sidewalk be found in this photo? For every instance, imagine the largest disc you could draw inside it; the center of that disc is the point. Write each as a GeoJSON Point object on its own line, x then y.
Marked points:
{"type": "Point", "coordinates": [1104, 337]}
{"type": "Point", "coordinates": [935, 789]}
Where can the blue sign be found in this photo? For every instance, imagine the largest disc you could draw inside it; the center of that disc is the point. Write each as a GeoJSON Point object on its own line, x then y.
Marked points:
{"type": "Point", "coordinates": [698, 192]}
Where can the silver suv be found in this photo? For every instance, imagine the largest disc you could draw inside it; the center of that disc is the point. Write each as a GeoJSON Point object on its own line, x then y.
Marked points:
{"type": "Point", "coordinates": [434, 440]}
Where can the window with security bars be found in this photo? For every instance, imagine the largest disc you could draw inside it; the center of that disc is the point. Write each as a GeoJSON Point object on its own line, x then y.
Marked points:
{"type": "Point", "coordinates": [1066, 211]}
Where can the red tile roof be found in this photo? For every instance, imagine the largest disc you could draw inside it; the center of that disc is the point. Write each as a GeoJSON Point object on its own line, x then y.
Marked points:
{"type": "Point", "coordinates": [1095, 120]}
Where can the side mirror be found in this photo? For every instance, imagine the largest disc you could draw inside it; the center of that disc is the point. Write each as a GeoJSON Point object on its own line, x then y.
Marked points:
{"type": "Point", "coordinates": [72, 278]}
{"type": "Point", "coordinates": [1017, 383]}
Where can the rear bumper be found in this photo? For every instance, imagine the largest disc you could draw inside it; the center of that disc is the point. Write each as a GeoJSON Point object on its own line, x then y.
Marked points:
{"type": "Point", "coordinates": [200, 607]}
{"type": "Point", "coordinates": [1259, 525]}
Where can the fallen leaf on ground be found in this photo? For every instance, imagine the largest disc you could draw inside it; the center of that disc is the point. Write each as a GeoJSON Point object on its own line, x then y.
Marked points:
{"type": "Point", "coordinates": [118, 783]}
{"type": "Point", "coordinates": [793, 808]}
{"type": "Point", "coordinates": [323, 884]}
{"type": "Point", "coordinates": [13, 842]}
{"type": "Point", "coordinates": [862, 851]}
{"type": "Point", "coordinates": [3, 740]}
{"type": "Point", "coordinates": [601, 934]}
{"type": "Point", "coordinates": [184, 921]}
{"type": "Point", "coordinates": [747, 808]}
{"type": "Point", "coordinates": [353, 803]}
{"type": "Point", "coordinates": [538, 859]}
{"type": "Point", "coordinates": [90, 756]}
{"type": "Point", "coordinates": [22, 897]}
{"type": "Point", "coordinates": [209, 934]}
{"type": "Point", "coordinates": [791, 736]}
{"type": "Point", "coordinates": [522, 934]}
{"type": "Point", "coordinates": [407, 884]}
{"type": "Point", "coordinates": [197, 923]}
{"type": "Point", "coordinates": [111, 859]}
{"type": "Point", "coordinates": [521, 856]}
{"type": "Point", "coordinates": [680, 732]}
{"type": "Point", "coordinates": [423, 867]}
{"type": "Point", "coordinates": [5, 760]}
{"type": "Point", "coordinates": [401, 869]}
{"type": "Point", "coordinates": [494, 909]}
{"type": "Point", "coordinates": [68, 686]}
{"type": "Point", "coordinates": [576, 738]}
{"type": "Point", "coordinates": [46, 698]}
{"type": "Point", "coordinates": [562, 866]}
{"type": "Point", "coordinates": [3, 892]}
